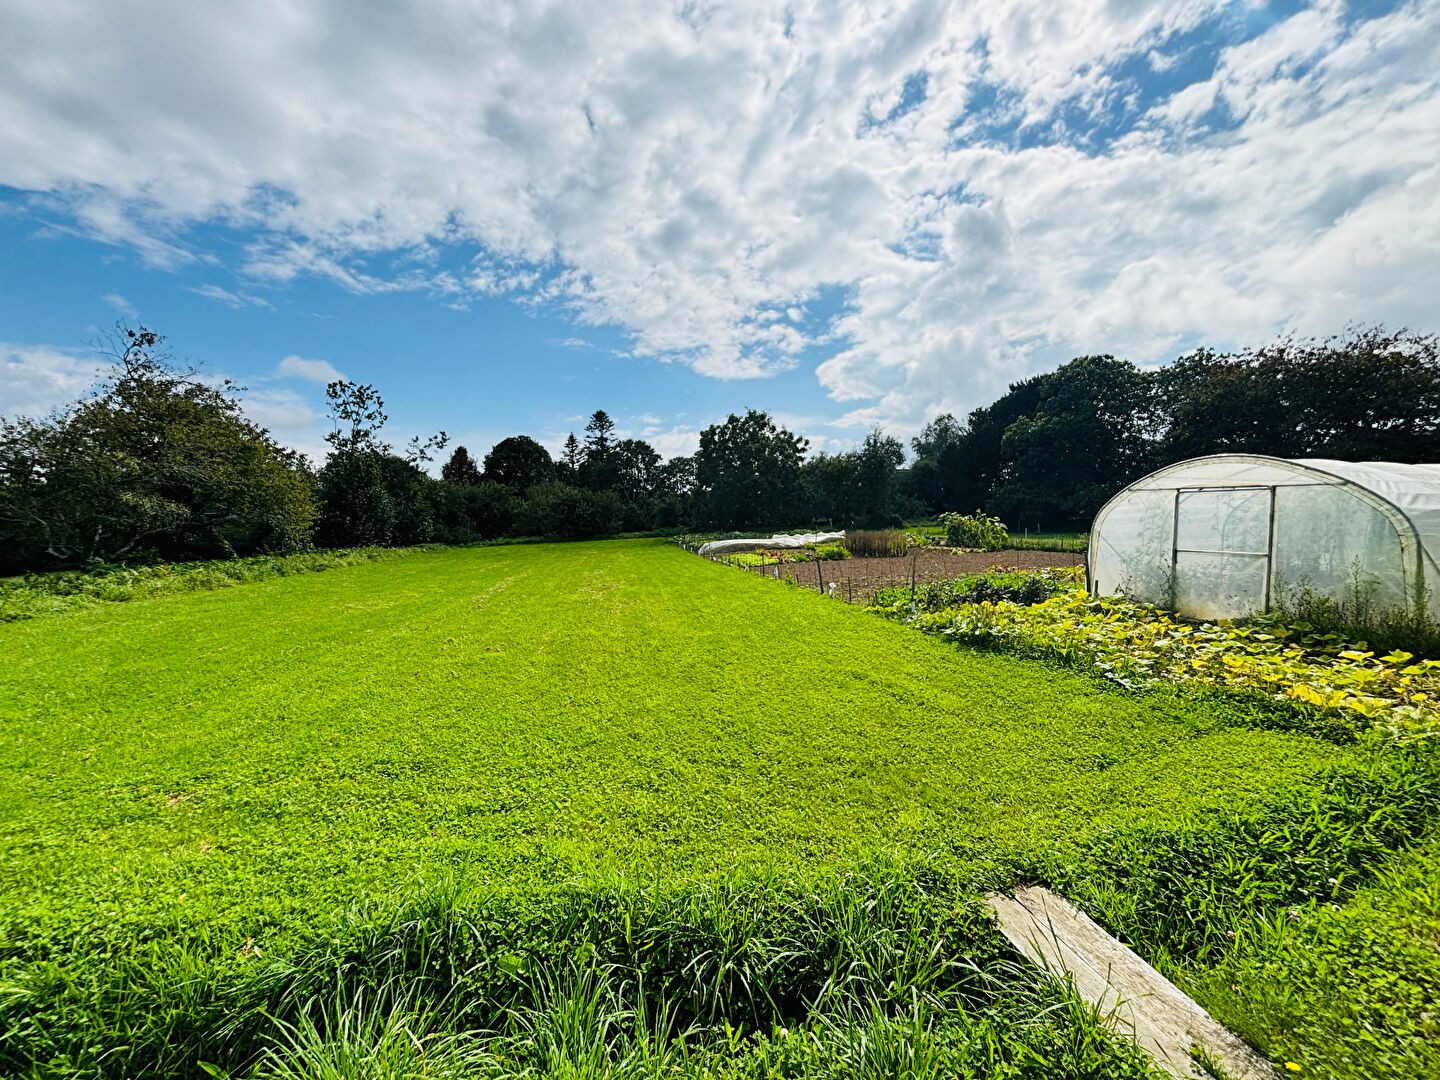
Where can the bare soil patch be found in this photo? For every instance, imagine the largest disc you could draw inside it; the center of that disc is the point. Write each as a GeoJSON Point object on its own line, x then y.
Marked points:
{"type": "Point", "coordinates": [859, 579]}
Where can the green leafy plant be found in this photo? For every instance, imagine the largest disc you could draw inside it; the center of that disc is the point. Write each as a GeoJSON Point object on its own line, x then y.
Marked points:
{"type": "Point", "coordinates": [1138, 645]}
{"type": "Point", "coordinates": [1017, 586]}
{"type": "Point", "coordinates": [977, 530]}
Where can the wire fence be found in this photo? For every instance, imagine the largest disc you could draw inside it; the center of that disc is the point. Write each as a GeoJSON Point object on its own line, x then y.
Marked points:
{"type": "Point", "coordinates": [855, 581]}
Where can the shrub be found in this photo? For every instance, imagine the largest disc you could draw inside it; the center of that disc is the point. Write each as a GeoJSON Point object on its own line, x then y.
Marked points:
{"type": "Point", "coordinates": [876, 543]}
{"type": "Point", "coordinates": [977, 530]}
{"type": "Point", "coordinates": [556, 509]}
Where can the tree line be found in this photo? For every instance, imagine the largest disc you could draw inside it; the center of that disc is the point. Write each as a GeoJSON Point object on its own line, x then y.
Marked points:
{"type": "Point", "coordinates": [160, 464]}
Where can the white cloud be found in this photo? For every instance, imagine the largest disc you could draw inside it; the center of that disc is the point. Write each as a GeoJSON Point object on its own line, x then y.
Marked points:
{"type": "Point", "coordinates": [235, 300]}
{"type": "Point", "coordinates": [120, 304]}
{"type": "Point", "coordinates": [316, 371]}
{"type": "Point", "coordinates": [290, 418]}
{"type": "Point", "coordinates": [35, 379]}
{"type": "Point", "coordinates": [687, 175]}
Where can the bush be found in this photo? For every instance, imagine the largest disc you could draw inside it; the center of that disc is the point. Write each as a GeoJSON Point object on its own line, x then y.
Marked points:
{"type": "Point", "coordinates": [977, 530]}
{"type": "Point", "coordinates": [876, 543]}
{"type": "Point", "coordinates": [571, 513]}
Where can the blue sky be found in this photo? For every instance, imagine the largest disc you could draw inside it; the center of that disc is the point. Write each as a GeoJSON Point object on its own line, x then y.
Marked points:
{"type": "Point", "coordinates": [507, 215]}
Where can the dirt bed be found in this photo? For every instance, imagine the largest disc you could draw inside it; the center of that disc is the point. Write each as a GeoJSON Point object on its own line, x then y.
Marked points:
{"type": "Point", "coordinates": [859, 579]}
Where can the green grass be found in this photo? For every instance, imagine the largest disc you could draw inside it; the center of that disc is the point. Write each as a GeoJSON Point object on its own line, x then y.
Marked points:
{"type": "Point", "coordinates": [35, 596]}
{"type": "Point", "coordinates": [1343, 990]}
{"type": "Point", "coordinates": [532, 713]}
{"type": "Point", "coordinates": [470, 776]}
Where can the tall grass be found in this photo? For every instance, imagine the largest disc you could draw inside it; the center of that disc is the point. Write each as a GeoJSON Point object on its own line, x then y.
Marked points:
{"type": "Point", "coordinates": [892, 969]}
{"type": "Point", "coordinates": [876, 543]}
{"type": "Point", "coordinates": [1076, 543]}
{"type": "Point", "coordinates": [895, 962]}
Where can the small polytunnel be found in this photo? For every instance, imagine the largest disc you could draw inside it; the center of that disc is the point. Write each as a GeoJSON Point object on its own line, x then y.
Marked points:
{"type": "Point", "coordinates": [1231, 535]}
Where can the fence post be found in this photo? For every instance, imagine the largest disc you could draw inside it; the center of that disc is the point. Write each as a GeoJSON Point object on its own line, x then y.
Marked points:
{"type": "Point", "coordinates": [912, 577]}
{"type": "Point", "coordinates": [819, 575]}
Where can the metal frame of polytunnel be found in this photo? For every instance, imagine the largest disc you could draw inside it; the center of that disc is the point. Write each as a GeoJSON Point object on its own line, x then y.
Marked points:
{"type": "Point", "coordinates": [1217, 472]}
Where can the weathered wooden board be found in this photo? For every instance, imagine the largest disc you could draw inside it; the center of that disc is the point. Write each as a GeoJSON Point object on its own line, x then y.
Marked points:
{"type": "Point", "coordinates": [1137, 999]}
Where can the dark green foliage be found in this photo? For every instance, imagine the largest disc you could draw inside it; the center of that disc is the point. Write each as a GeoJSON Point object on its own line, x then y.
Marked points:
{"type": "Point", "coordinates": [518, 463]}
{"type": "Point", "coordinates": [939, 477]}
{"type": "Point", "coordinates": [747, 472]}
{"type": "Point", "coordinates": [638, 471]}
{"type": "Point", "coordinates": [570, 513]}
{"type": "Point", "coordinates": [1369, 394]}
{"type": "Point", "coordinates": [859, 487]}
{"type": "Point", "coordinates": [371, 498]}
{"type": "Point", "coordinates": [156, 464]}
{"type": "Point", "coordinates": [461, 468]}
{"type": "Point", "coordinates": [1051, 450]}
{"type": "Point", "coordinates": [465, 513]}
{"type": "Point", "coordinates": [1084, 438]}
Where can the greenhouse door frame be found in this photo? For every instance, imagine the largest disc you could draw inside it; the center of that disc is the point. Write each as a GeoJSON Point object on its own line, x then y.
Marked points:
{"type": "Point", "coordinates": [1268, 554]}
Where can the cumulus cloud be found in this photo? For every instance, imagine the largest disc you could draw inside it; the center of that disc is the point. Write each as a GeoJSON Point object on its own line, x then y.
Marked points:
{"type": "Point", "coordinates": [315, 371]}
{"type": "Point", "coordinates": [290, 417]}
{"type": "Point", "coordinates": [36, 379]}
{"type": "Point", "coordinates": [991, 188]}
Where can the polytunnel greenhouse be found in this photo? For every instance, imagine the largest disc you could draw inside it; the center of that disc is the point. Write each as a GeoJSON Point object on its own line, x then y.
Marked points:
{"type": "Point", "coordinates": [1231, 535]}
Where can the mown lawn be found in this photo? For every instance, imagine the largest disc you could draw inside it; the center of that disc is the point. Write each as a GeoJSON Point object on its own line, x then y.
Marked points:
{"type": "Point", "coordinates": [530, 714]}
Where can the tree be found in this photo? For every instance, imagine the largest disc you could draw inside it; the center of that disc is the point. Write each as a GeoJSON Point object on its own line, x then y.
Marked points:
{"type": "Point", "coordinates": [747, 472]}
{"type": "Point", "coordinates": [460, 469]}
{"type": "Point", "coordinates": [637, 469]}
{"type": "Point", "coordinates": [368, 495]}
{"type": "Point", "coordinates": [876, 463]}
{"type": "Point", "coordinates": [938, 478]}
{"type": "Point", "coordinates": [422, 451]}
{"type": "Point", "coordinates": [572, 455]}
{"type": "Point", "coordinates": [1087, 435]}
{"type": "Point", "coordinates": [1367, 395]}
{"type": "Point", "coordinates": [519, 463]}
{"type": "Point", "coordinates": [357, 414]}
{"type": "Point", "coordinates": [157, 462]}
{"type": "Point", "coordinates": [597, 434]}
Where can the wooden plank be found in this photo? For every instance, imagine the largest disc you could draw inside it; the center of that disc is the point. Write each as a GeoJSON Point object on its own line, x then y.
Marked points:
{"type": "Point", "coordinates": [1134, 998]}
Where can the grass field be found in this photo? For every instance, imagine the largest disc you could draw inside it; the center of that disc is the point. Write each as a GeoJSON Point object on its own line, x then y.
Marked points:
{"type": "Point", "coordinates": [531, 713]}
{"type": "Point", "coordinates": [240, 768]}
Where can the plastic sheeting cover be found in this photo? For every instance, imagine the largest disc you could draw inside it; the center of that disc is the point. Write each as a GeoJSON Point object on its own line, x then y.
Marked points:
{"type": "Point", "coordinates": [762, 543]}
{"type": "Point", "coordinates": [1230, 534]}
